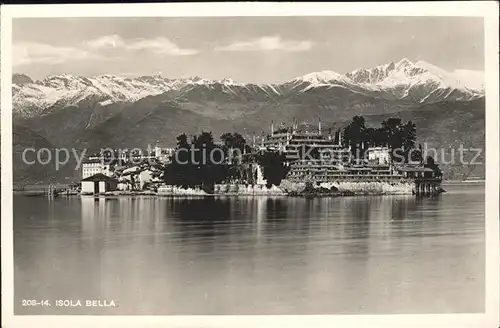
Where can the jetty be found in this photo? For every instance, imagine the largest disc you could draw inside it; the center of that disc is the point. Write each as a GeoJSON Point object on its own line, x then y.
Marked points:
{"type": "Point", "coordinates": [50, 190]}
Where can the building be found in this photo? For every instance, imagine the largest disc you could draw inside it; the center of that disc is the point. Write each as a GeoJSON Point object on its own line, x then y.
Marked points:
{"type": "Point", "coordinates": [295, 143]}
{"type": "Point", "coordinates": [163, 154]}
{"type": "Point", "coordinates": [380, 155]}
{"type": "Point", "coordinates": [95, 166]}
{"type": "Point", "coordinates": [98, 183]}
{"type": "Point", "coordinates": [313, 157]}
{"type": "Point", "coordinates": [145, 177]}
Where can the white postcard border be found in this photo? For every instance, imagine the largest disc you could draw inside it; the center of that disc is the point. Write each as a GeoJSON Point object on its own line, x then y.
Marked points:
{"type": "Point", "coordinates": [488, 10]}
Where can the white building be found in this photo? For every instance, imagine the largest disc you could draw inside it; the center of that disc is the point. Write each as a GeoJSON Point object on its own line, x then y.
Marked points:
{"type": "Point", "coordinates": [98, 183]}
{"type": "Point", "coordinates": [381, 155]}
{"type": "Point", "coordinates": [92, 167]}
{"type": "Point", "coordinates": [163, 154]}
{"type": "Point", "coordinates": [145, 177]}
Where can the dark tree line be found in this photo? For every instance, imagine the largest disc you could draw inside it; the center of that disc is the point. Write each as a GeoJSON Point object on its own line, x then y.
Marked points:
{"type": "Point", "coordinates": [393, 133]}
{"type": "Point", "coordinates": [200, 162]}
{"type": "Point", "coordinates": [234, 142]}
{"type": "Point", "coordinates": [274, 167]}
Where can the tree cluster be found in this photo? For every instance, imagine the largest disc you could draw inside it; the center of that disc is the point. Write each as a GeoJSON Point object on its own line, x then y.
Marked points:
{"type": "Point", "coordinates": [192, 164]}
{"type": "Point", "coordinates": [273, 166]}
{"type": "Point", "coordinates": [234, 142]}
{"type": "Point", "coordinates": [393, 133]}
{"type": "Point", "coordinates": [200, 162]}
{"type": "Point", "coordinates": [196, 162]}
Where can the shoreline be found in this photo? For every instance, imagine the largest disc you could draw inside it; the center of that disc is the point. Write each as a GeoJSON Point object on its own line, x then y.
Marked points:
{"type": "Point", "coordinates": [284, 190]}
{"type": "Point", "coordinates": [145, 193]}
{"type": "Point", "coordinates": [462, 182]}
{"type": "Point", "coordinates": [18, 190]}
{"type": "Point", "coordinates": [312, 194]}
{"type": "Point", "coordinates": [233, 195]}
{"type": "Point", "coordinates": [318, 192]}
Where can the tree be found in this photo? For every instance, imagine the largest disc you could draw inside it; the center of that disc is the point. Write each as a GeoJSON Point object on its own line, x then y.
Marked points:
{"type": "Point", "coordinates": [234, 141]}
{"type": "Point", "coordinates": [408, 136]}
{"type": "Point", "coordinates": [199, 163]}
{"type": "Point", "coordinates": [399, 137]}
{"type": "Point", "coordinates": [370, 137]}
{"type": "Point", "coordinates": [274, 168]}
{"type": "Point", "coordinates": [416, 155]}
{"type": "Point", "coordinates": [227, 139]}
{"type": "Point", "coordinates": [179, 171]}
{"type": "Point", "coordinates": [392, 130]}
{"type": "Point", "coordinates": [431, 164]}
{"type": "Point", "coordinates": [354, 134]}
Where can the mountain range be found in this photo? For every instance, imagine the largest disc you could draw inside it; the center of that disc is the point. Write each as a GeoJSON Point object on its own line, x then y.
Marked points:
{"type": "Point", "coordinates": [112, 111]}
{"type": "Point", "coordinates": [402, 81]}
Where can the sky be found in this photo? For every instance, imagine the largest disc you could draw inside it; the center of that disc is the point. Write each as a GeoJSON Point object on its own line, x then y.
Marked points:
{"type": "Point", "coordinates": [246, 49]}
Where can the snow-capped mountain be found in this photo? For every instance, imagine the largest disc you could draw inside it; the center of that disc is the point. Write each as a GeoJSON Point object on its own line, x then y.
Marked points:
{"type": "Point", "coordinates": [67, 90]}
{"type": "Point", "coordinates": [419, 82]}
{"type": "Point", "coordinates": [403, 80]}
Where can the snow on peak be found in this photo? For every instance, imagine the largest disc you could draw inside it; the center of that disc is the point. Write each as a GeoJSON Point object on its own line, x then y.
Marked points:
{"type": "Point", "coordinates": [396, 80]}
{"type": "Point", "coordinates": [428, 66]}
{"type": "Point", "coordinates": [473, 80]}
{"type": "Point", "coordinates": [106, 88]}
{"type": "Point", "coordinates": [70, 90]}
{"type": "Point", "coordinates": [401, 79]}
{"type": "Point", "coordinates": [405, 72]}
{"type": "Point", "coordinates": [405, 62]}
{"type": "Point", "coordinates": [192, 80]}
{"type": "Point", "coordinates": [228, 81]}
{"type": "Point", "coordinates": [195, 78]}
{"type": "Point", "coordinates": [321, 77]}
{"type": "Point", "coordinates": [59, 76]}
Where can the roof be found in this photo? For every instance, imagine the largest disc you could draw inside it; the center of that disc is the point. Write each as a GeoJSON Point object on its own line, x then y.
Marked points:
{"type": "Point", "coordinates": [357, 168]}
{"type": "Point", "coordinates": [413, 169]}
{"type": "Point", "coordinates": [93, 161]}
{"type": "Point", "coordinates": [377, 148]}
{"type": "Point", "coordinates": [99, 177]}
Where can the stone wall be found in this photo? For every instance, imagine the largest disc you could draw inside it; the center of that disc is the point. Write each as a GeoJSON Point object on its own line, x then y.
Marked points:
{"type": "Point", "coordinates": [400, 188]}
{"type": "Point", "coordinates": [355, 187]}
{"type": "Point", "coordinates": [178, 191]}
{"type": "Point", "coordinates": [244, 190]}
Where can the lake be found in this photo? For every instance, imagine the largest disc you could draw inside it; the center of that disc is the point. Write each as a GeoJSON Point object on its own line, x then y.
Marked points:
{"type": "Point", "coordinates": [262, 255]}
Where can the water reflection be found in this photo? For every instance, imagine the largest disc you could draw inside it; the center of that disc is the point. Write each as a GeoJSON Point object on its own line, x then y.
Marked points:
{"type": "Point", "coordinates": [255, 255]}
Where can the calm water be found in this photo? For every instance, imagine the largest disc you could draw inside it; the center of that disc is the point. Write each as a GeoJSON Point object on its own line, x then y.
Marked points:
{"type": "Point", "coordinates": [390, 254]}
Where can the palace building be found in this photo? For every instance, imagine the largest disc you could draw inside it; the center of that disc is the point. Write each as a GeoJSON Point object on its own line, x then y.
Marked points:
{"type": "Point", "coordinates": [314, 157]}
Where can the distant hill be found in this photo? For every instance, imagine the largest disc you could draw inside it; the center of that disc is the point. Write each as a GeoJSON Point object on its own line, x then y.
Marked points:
{"type": "Point", "coordinates": [24, 173]}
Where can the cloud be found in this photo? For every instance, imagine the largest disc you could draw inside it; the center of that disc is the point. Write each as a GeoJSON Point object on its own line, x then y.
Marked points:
{"type": "Point", "coordinates": [25, 53]}
{"type": "Point", "coordinates": [268, 43]}
{"type": "Point", "coordinates": [159, 45]}
{"type": "Point", "coordinates": [105, 42]}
